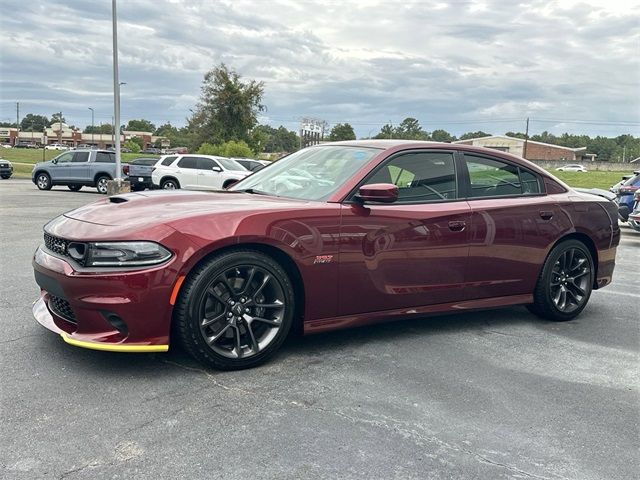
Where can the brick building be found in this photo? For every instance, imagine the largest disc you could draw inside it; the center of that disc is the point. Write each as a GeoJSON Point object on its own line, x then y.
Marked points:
{"type": "Point", "coordinates": [62, 133]}
{"type": "Point", "coordinates": [535, 150]}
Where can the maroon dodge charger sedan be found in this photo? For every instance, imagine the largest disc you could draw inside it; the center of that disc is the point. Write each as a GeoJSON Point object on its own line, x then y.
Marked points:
{"type": "Point", "coordinates": [333, 236]}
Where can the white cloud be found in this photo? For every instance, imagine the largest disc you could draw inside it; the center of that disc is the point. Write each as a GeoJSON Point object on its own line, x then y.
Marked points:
{"type": "Point", "coordinates": [461, 65]}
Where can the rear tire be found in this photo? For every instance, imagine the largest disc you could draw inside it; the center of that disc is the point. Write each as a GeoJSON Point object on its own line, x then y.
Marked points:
{"type": "Point", "coordinates": [101, 184]}
{"type": "Point", "coordinates": [565, 283]}
{"type": "Point", "coordinates": [74, 188]}
{"type": "Point", "coordinates": [43, 181]}
{"type": "Point", "coordinates": [6, 176]}
{"type": "Point", "coordinates": [235, 310]}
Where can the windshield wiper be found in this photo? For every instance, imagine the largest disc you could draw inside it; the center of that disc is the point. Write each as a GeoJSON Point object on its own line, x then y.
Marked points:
{"type": "Point", "coordinates": [255, 192]}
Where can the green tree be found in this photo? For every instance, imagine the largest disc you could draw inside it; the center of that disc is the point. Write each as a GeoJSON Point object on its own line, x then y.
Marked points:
{"type": "Point", "coordinates": [104, 129]}
{"type": "Point", "coordinates": [516, 135]}
{"type": "Point", "coordinates": [56, 118]}
{"type": "Point", "coordinates": [7, 125]}
{"type": "Point", "coordinates": [34, 123]}
{"type": "Point", "coordinates": [228, 107]}
{"type": "Point", "coordinates": [410, 129]}
{"type": "Point", "coordinates": [387, 131]}
{"type": "Point", "coordinates": [478, 134]}
{"type": "Point", "coordinates": [442, 136]}
{"type": "Point", "coordinates": [342, 131]}
{"type": "Point", "coordinates": [231, 148]}
{"type": "Point", "coordinates": [141, 125]}
{"type": "Point", "coordinates": [132, 145]}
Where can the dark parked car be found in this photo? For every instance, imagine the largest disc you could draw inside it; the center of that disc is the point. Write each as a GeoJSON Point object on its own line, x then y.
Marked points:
{"type": "Point", "coordinates": [625, 196]}
{"type": "Point", "coordinates": [6, 168]}
{"type": "Point", "coordinates": [139, 172]}
{"type": "Point", "coordinates": [25, 145]}
{"type": "Point", "coordinates": [151, 151]}
{"type": "Point", "coordinates": [382, 230]}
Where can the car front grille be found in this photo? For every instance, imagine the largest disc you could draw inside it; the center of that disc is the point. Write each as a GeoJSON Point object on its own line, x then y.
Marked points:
{"type": "Point", "coordinates": [61, 308]}
{"type": "Point", "coordinates": [56, 245]}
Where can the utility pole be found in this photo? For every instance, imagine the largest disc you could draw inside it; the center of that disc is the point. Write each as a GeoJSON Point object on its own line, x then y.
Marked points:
{"type": "Point", "coordinates": [92, 126]}
{"type": "Point", "coordinates": [60, 129]}
{"type": "Point", "coordinates": [624, 153]}
{"type": "Point", "coordinates": [526, 139]}
{"type": "Point", "coordinates": [116, 91]}
{"type": "Point", "coordinates": [17, 124]}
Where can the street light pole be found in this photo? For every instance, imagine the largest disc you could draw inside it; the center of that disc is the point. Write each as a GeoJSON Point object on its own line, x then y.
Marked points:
{"type": "Point", "coordinates": [116, 91]}
{"type": "Point", "coordinates": [92, 126]}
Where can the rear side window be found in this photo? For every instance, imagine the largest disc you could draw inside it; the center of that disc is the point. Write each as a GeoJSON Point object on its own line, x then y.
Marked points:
{"type": "Point", "coordinates": [145, 161]}
{"type": "Point", "coordinates": [168, 161]}
{"type": "Point", "coordinates": [494, 178]}
{"type": "Point", "coordinates": [80, 157]}
{"type": "Point", "coordinates": [188, 162]}
{"type": "Point", "coordinates": [104, 157]}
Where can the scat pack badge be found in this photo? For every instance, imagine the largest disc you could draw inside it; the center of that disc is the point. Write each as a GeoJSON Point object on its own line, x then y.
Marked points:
{"type": "Point", "coordinates": [323, 259]}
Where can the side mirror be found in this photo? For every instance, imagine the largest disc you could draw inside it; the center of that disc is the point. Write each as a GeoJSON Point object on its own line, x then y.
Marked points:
{"type": "Point", "coordinates": [378, 192]}
{"type": "Point", "coordinates": [216, 169]}
{"type": "Point", "coordinates": [231, 184]}
{"type": "Point", "coordinates": [54, 161]}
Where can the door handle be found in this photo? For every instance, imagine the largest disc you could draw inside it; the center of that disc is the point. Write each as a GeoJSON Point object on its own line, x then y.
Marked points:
{"type": "Point", "coordinates": [457, 225]}
{"type": "Point", "coordinates": [546, 214]}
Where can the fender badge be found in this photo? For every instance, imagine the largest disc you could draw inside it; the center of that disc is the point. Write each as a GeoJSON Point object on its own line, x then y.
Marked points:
{"type": "Point", "coordinates": [323, 259]}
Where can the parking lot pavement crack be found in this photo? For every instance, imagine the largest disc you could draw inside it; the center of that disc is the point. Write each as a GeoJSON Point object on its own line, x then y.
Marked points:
{"type": "Point", "coordinates": [19, 338]}
{"type": "Point", "coordinates": [209, 377]}
{"type": "Point", "coordinates": [78, 469]}
{"type": "Point", "coordinates": [508, 467]}
{"type": "Point", "coordinates": [388, 423]}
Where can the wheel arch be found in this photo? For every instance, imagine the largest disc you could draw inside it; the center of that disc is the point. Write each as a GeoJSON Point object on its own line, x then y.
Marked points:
{"type": "Point", "coordinates": [279, 255]}
{"type": "Point", "coordinates": [101, 174]}
{"type": "Point", "coordinates": [164, 178]}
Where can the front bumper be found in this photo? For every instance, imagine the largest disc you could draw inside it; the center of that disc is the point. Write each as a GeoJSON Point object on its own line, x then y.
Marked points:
{"type": "Point", "coordinates": [6, 170]}
{"type": "Point", "coordinates": [114, 311]}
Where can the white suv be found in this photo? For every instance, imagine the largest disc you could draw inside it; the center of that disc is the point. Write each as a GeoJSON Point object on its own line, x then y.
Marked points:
{"type": "Point", "coordinates": [197, 172]}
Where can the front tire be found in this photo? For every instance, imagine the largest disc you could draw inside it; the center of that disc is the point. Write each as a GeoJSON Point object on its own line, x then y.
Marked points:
{"type": "Point", "coordinates": [43, 181]}
{"type": "Point", "coordinates": [5, 177]}
{"type": "Point", "coordinates": [565, 283]}
{"type": "Point", "coordinates": [101, 184]}
{"type": "Point", "coordinates": [235, 310]}
{"type": "Point", "coordinates": [170, 184]}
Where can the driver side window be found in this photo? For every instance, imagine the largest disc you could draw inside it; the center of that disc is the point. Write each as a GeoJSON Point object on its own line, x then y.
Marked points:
{"type": "Point", "coordinates": [420, 177]}
{"type": "Point", "coordinates": [65, 157]}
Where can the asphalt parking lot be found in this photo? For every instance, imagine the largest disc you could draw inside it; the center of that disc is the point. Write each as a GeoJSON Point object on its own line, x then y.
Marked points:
{"type": "Point", "coordinates": [489, 395]}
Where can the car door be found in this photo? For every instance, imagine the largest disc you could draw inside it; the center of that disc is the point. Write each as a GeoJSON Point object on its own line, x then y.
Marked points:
{"type": "Point", "coordinates": [187, 172]}
{"type": "Point", "coordinates": [513, 223]}
{"type": "Point", "coordinates": [60, 171]}
{"type": "Point", "coordinates": [412, 252]}
{"type": "Point", "coordinates": [209, 174]}
{"type": "Point", "coordinates": [78, 170]}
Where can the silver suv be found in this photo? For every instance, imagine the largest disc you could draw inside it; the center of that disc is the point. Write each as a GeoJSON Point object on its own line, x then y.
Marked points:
{"type": "Point", "coordinates": [76, 169]}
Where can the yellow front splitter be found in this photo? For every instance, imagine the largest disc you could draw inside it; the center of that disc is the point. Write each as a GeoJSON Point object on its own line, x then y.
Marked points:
{"type": "Point", "coordinates": [106, 347]}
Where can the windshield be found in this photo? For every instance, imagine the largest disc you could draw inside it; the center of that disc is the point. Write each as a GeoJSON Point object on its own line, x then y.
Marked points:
{"type": "Point", "coordinates": [310, 174]}
{"type": "Point", "coordinates": [229, 164]}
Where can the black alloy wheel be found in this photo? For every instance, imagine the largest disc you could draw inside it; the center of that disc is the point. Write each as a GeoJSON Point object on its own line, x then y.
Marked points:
{"type": "Point", "coordinates": [235, 310]}
{"type": "Point", "coordinates": [565, 283]}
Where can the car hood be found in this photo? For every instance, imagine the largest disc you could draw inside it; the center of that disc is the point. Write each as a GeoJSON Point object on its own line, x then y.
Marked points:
{"type": "Point", "coordinates": [163, 207]}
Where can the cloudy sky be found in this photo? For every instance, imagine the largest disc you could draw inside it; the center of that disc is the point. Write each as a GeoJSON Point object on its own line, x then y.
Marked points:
{"type": "Point", "coordinates": [461, 65]}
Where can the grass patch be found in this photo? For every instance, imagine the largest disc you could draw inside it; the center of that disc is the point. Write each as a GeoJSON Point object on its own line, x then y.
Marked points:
{"type": "Point", "coordinates": [32, 155]}
{"type": "Point", "coordinates": [603, 180]}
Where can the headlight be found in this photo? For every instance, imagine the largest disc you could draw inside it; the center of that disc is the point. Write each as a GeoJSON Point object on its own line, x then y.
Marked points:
{"type": "Point", "coordinates": [122, 254]}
